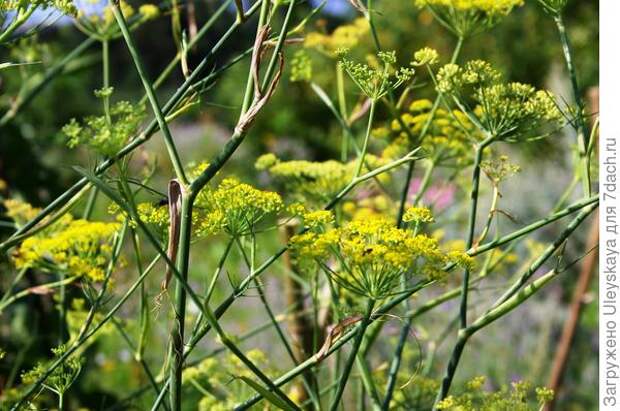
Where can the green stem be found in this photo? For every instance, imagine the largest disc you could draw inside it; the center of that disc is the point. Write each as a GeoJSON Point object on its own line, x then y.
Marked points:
{"type": "Point", "coordinates": [90, 203]}
{"type": "Point", "coordinates": [549, 251]}
{"type": "Point", "coordinates": [192, 43]}
{"type": "Point", "coordinates": [177, 334]}
{"type": "Point", "coordinates": [472, 223]}
{"type": "Point", "coordinates": [371, 116]}
{"type": "Point", "coordinates": [582, 127]}
{"type": "Point", "coordinates": [395, 365]}
{"type": "Point", "coordinates": [508, 301]}
{"type": "Point", "coordinates": [159, 115]}
{"type": "Point", "coordinates": [352, 355]}
{"type": "Point", "coordinates": [249, 87]}
{"type": "Point", "coordinates": [105, 57]}
{"type": "Point", "coordinates": [28, 291]}
{"type": "Point", "coordinates": [342, 106]}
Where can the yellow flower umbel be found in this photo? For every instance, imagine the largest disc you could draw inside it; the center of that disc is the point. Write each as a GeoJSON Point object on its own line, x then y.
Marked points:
{"type": "Point", "coordinates": [519, 397]}
{"type": "Point", "coordinates": [316, 182]}
{"type": "Point", "coordinates": [466, 17]}
{"type": "Point", "coordinates": [372, 255]}
{"type": "Point", "coordinates": [235, 208]}
{"type": "Point", "coordinates": [106, 135]}
{"type": "Point", "coordinates": [505, 111]}
{"type": "Point", "coordinates": [448, 137]}
{"type": "Point", "coordinates": [418, 215]}
{"type": "Point", "coordinates": [377, 80]}
{"type": "Point", "coordinates": [345, 36]}
{"type": "Point", "coordinates": [77, 247]}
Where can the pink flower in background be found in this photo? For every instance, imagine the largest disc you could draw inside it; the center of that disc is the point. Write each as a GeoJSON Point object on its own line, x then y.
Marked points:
{"type": "Point", "coordinates": [439, 196]}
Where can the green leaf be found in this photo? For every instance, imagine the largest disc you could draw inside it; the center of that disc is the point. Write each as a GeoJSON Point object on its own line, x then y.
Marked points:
{"type": "Point", "coordinates": [268, 395]}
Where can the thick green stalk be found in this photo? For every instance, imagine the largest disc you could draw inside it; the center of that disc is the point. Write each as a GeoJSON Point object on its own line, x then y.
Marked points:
{"type": "Point", "coordinates": [105, 58]}
{"type": "Point", "coordinates": [148, 88]}
{"type": "Point", "coordinates": [352, 355]}
{"type": "Point", "coordinates": [582, 127]}
{"type": "Point", "coordinates": [178, 331]}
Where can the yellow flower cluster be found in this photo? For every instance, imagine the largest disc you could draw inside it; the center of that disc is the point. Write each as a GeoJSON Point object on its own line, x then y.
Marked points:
{"type": "Point", "coordinates": [311, 219]}
{"type": "Point", "coordinates": [449, 135]}
{"type": "Point", "coordinates": [20, 211]}
{"type": "Point", "coordinates": [465, 17]}
{"type": "Point", "coordinates": [425, 56]}
{"type": "Point", "coordinates": [499, 168]}
{"type": "Point", "coordinates": [77, 247]}
{"type": "Point", "coordinates": [418, 215]}
{"type": "Point", "coordinates": [505, 110]}
{"type": "Point", "coordinates": [519, 397]}
{"type": "Point", "coordinates": [233, 207]}
{"type": "Point", "coordinates": [373, 254]}
{"type": "Point", "coordinates": [345, 36]}
{"type": "Point", "coordinates": [313, 181]}
{"type": "Point", "coordinates": [490, 7]}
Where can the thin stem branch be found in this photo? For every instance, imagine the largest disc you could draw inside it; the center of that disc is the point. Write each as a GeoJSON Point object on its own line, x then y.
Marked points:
{"type": "Point", "coordinates": [344, 377]}
{"type": "Point", "coordinates": [159, 115]}
{"type": "Point", "coordinates": [582, 126]}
